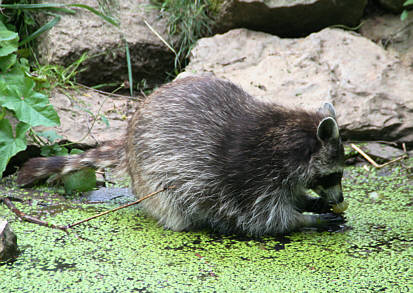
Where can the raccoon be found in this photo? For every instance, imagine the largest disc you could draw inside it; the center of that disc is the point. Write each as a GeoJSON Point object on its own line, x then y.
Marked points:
{"type": "Point", "coordinates": [237, 164]}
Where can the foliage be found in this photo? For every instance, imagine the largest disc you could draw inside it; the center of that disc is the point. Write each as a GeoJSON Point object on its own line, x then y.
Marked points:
{"type": "Point", "coordinates": [188, 21]}
{"type": "Point", "coordinates": [405, 13]}
{"type": "Point", "coordinates": [53, 75]}
{"type": "Point", "coordinates": [22, 92]}
{"type": "Point", "coordinates": [81, 181]}
{"type": "Point", "coordinates": [19, 98]}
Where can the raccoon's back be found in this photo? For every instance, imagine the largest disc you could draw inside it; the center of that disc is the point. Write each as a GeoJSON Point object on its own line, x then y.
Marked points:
{"type": "Point", "coordinates": [186, 125]}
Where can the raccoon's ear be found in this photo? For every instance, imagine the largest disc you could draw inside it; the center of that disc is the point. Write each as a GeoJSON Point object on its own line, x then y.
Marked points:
{"type": "Point", "coordinates": [327, 110]}
{"type": "Point", "coordinates": [327, 129]}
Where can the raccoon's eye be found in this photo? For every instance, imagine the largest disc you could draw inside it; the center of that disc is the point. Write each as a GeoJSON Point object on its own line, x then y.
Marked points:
{"type": "Point", "coordinates": [327, 181]}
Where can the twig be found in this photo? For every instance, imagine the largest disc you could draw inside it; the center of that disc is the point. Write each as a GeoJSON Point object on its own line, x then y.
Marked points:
{"type": "Point", "coordinates": [404, 148]}
{"type": "Point", "coordinates": [118, 208]}
{"type": "Point", "coordinates": [28, 218]}
{"type": "Point", "coordinates": [371, 161]}
{"type": "Point", "coordinates": [160, 37]}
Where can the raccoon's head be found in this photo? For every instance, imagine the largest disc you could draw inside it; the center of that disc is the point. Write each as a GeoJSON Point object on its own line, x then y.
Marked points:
{"type": "Point", "coordinates": [327, 164]}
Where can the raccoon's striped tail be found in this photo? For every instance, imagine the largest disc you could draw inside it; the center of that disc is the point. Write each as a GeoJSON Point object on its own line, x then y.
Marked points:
{"type": "Point", "coordinates": [111, 154]}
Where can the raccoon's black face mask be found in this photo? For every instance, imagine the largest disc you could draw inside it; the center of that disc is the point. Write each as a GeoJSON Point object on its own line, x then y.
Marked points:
{"type": "Point", "coordinates": [329, 187]}
{"type": "Point", "coordinates": [328, 162]}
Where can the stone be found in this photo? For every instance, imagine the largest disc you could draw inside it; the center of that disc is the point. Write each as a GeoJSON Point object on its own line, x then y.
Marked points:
{"type": "Point", "coordinates": [369, 87]}
{"type": "Point", "coordinates": [85, 32]}
{"type": "Point", "coordinates": [287, 18]}
{"type": "Point", "coordinates": [8, 241]}
{"type": "Point", "coordinates": [382, 151]}
{"type": "Point", "coordinates": [84, 114]}
{"type": "Point", "coordinates": [393, 34]}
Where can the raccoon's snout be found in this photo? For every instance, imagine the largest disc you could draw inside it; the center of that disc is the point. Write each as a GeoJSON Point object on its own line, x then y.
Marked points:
{"type": "Point", "coordinates": [337, 200]}
{"type": "Point", "coordinates": [340, 198]}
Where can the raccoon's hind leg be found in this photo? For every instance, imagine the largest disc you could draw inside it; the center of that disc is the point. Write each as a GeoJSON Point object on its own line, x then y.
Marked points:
{"type": "Point", "coordinates": [161, 206]}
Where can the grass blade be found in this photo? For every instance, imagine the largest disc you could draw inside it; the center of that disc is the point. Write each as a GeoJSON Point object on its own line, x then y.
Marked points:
{"type": "Point", "coordinates": [41, 30]}
{"type": "Point", "coordinates": [59, 5]}
{"type": "Point", "coordinates": [93, 10]}
{"type": "Point", "coordinates": [128, 62]}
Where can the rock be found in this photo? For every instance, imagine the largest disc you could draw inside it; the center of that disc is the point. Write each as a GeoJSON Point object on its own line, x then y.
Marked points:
{"type": "Point", "coordinates": [81, 113]}
{"type": "Point", "coordinates": [369, 87]}
{"type": "Point", "coordinates": [382, 151]}
{"type": "Point", "coordinates": [109, 194]}
{"type": "Point", "coordinates": [288, 18]}
{"type": "Point", "coordinates": [8, 241]}
{"type": "Point", "coordinates": [86, 32]}
{"type": "Point", "coordinates": [391, 33]}
{"type": "Point", "coordinates": [395, 6]}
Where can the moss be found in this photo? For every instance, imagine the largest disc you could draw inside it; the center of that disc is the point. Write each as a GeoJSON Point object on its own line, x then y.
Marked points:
{"type": "Point", "coordinates": [127, 251]}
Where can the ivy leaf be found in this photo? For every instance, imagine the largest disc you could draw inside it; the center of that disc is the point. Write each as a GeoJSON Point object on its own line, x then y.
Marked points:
{"type": "Point", "coordinates": [9, 42]}
{"type": "Point", "coordinates": [29, 106]}
{"type": "Point", "coordinates": [53, 150]}
{"type": "Point", "coordinates": [404, 15]}
{"type": "Point", "coordinates": [6, 62]}
{"type": "Point", "coordinates": [76, 151]}
{"type": "Point", "coordinates": [16, 76]}
{"type": "Point", "coordinates": [80, 181]}
{"type": "Point", "coordinates": [10, 144]}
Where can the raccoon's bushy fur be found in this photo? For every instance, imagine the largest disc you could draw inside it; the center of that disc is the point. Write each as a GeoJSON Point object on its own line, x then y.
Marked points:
{"type": "Point", "coordinates": [237, 164]}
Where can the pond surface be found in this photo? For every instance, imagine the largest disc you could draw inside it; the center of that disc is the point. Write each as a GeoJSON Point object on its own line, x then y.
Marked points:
{"type": "Point", "coordinates": [127, 251]}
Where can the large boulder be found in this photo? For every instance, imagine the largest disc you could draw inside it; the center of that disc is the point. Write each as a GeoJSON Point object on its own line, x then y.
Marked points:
{"type": "Point", "coordinates": [369, 87]}
{"type": "Point", "coordinates": [288, 18]}
{"type": "Point", "coordinates": [393, 34]}
{"type": "Point", "coordinates": [90, 117]}
{"type": "Point", "coordinates": [85, 32]}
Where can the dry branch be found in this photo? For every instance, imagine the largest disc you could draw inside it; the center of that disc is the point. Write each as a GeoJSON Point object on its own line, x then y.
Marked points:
{"type": "Point", "coordinates": [371, 161]}
{"type": "Point", "coordinates": [118, 208]}
{"type": "Point", "coordinates": [27, 218]}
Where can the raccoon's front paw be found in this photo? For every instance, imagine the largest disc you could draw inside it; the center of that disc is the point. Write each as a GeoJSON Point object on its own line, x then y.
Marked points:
{"type": "Point", "coordinates": [331, 219]}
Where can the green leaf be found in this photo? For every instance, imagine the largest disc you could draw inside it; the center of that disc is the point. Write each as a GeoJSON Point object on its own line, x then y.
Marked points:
{"type": "Point", "coordinates": [404, 15]}
{"type": "Point", "coordinates": [53, 150]}
{"type": "Point", "coordinates": [76, 151]}
{"type": "Point", "coordinates": [408, 2]}
{"type": "Point", "coordinates": [10, 144]}
{"type": "Point", "coordinates": [16, 76]}
{"type": "Point", "coordinates": [29, 106]}
{"type": "Point", "coordinates": [80, 181]}
{"type": "Point", "coordinates": [6, 62]}
{"type": "Point", "coordinates": [8, 42]}
{"type": "Point", "coordinates": [2, 26]}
